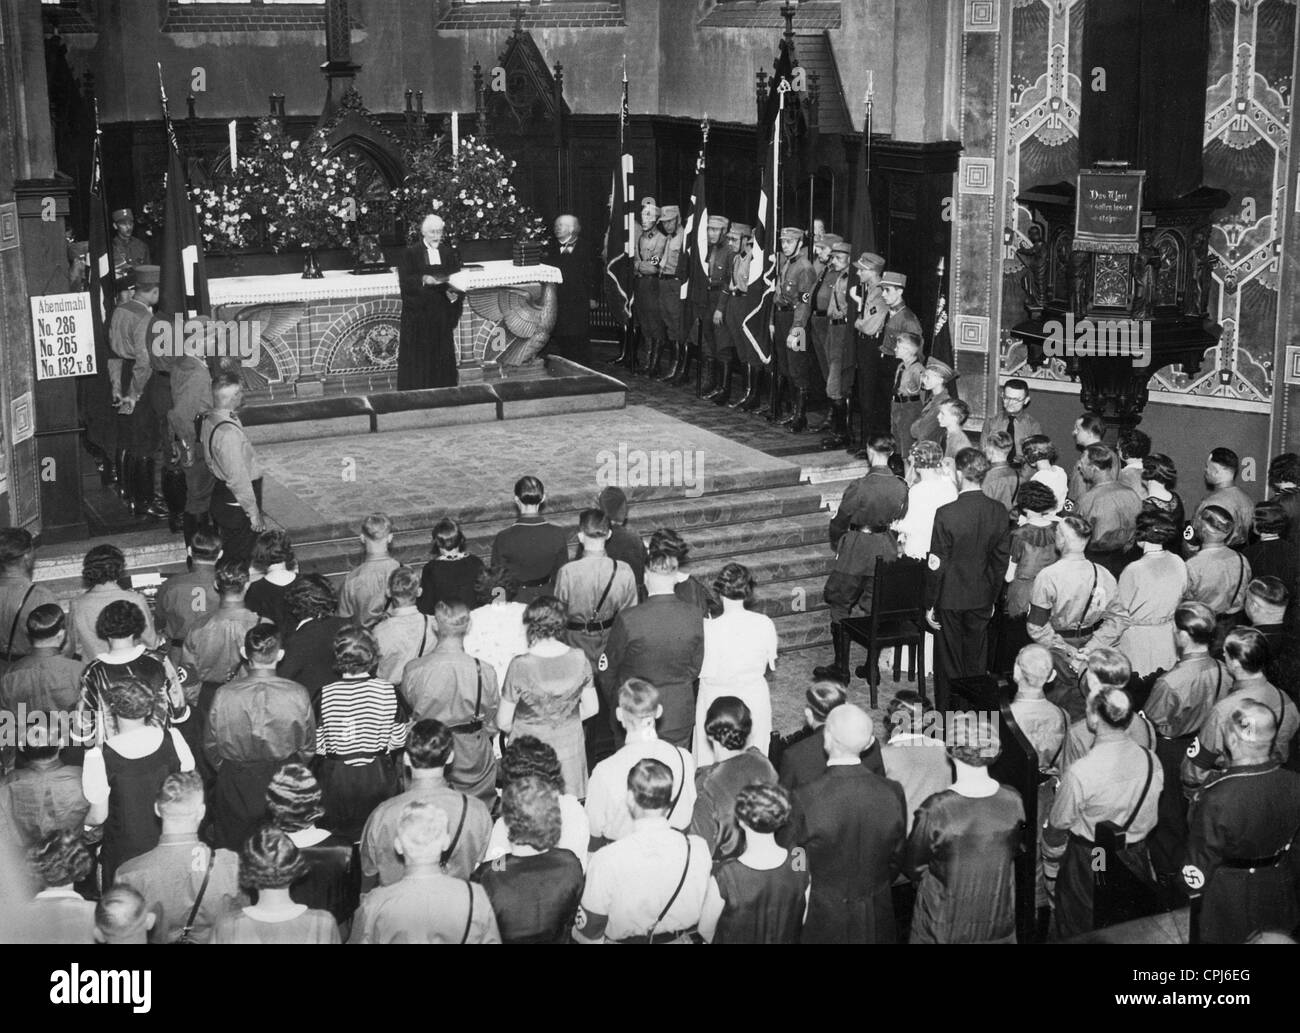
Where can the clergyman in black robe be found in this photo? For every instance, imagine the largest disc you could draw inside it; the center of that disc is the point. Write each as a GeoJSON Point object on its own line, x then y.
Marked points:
{"type": "Point", "coordinates": [426, 349]}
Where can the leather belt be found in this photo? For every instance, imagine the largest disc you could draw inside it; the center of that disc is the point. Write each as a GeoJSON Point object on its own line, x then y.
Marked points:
{"type": "Point", "coordinates": [838, 322]}
{"type": "Point", "coordinates": [658, 937]}
{"type": "Point", "coordinates": [821, 313]}
{"type": "Point", "coordinates": [869, 530]}
{"type": "Point", "coordinates": [907, 398]}
{"type": "Point", "coordinates": [784, 308]}
{"type": "Point", "coordinates": [591, 625]}
{"type": "Point", "coordinates": [1251, 863]}
{"type": "Point", "coordinates": [669, 276]}
{"type": "Point", "coordinates": [1073, 632]}
{"type": "Point", "coordinates": [715, 286]}
{"type": "Point", "coordinates": [467, 728]}
{"type": "Point", "coordinates": [735, 293]}
{"type": "Point", "coordinates": [1091, 845]}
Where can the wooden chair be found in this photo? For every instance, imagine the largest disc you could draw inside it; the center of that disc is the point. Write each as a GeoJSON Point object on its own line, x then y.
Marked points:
{"type": "Point", "coordinates": [897, 618]}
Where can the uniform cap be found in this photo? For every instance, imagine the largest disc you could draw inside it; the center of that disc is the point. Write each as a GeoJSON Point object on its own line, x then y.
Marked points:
{"type": "Point", "coordinates": [670, 211]}
{"type": "Point", "coordinates": [829, 240]}
{"type": "Point", "coordinates": [926, 455]}
{"type": "Point", "coordinates": [649, 202]}
{"type": "Point", "coordinates": [718, 222]}
{"type": "Point", "coordinates": [941, 367]}
{"type": "Point", "coordinates": [742, 229]}
{"type": "Point", "coordinates": [893, 279]}
{"type": "Point", "coordinates": [842, 247]}
{"type": "Point", "coordinates": [146, 276]}
{"type": "Point", "coordinates": [870, 260]}
{"type": "Point", "coordinates": [122, 214]}
{"type": "Point", "coordinates": [792, 233]}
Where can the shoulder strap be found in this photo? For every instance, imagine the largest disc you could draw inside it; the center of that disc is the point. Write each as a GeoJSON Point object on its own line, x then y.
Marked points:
{"type": "Point", "coordinates": [1065, 734]}
{"type": "Point", "coordinates": [469, 918]}
{"type": "Point", "coordinates": [595, 614]}
{"type": "Point", "coordinates": [424, 636]}
{"type": "Point", "coordinates": [1241, 572]}
{"type": "Point", "coordinates": [198, 900]}
{"type": "Point", "coordinates": [460, 825]}
{"type": "Point", "coordinates": [1087, 602]}
{"type": "Point", "coordinates": [13, 628]}
{"type": "Point", "coordinates": [681, 782]}
{"type": "Point", "coordinates": [213, 433]}
{"type": "Point", "coordinates": [673, 899]}
{"type": "Point", "coordinates": [478, 698]}
{"type": "Point", "coordinates": [1151, 770]}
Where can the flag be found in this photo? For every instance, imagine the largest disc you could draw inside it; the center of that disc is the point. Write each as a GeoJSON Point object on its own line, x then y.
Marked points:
{"type": "Point", "coordinates": [620, 242]}
{"type": "Point", "coordinates": [941, 338]}
{"type": "Point", "coordinates": [862, 223]}
{"type": "Point", "coordinates": [696, 284]}
{"type": "Point", "coordinates": [99, 255]}
{"type": "Point", "coordinates": [182, 273]}
{"type": "Point", "coordinates": [762, 266]}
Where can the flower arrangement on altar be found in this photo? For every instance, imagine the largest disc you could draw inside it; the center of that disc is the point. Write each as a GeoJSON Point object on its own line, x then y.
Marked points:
{"type": "Point", "coordinates": [471, 190]}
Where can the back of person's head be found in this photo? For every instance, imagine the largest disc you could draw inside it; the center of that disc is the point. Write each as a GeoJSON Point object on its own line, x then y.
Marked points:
{"type": "Point", "coordinates": [1109, 666]}
{"type": "Point", "coordinates": [1226, 459]}
{"type": "Point", "coordinates": [593, 523]}
{"type": "Point", "coordinates": [60, 858]}
{"type": "Point", "coordinates": [180, 795]}
{"type": "Point", "coordinates": [16, 545]}
{"type": "Point", "coordinates": [103, 565]}
{"type": "Point", "coordinates": [46, 622]}
{"type": "Point", "coordinates": [530, 491]}
{"type": "Point", "coordinates": [1033, 666]}
{"type": "Point", "coordinates": [613, 502]}
{"type": "Point", "coordinates": [734, 581]}
{"type": "Point", "coordinates": [530, 808]}
{"type": "Point", "coordinates": [1113, 707]}
{"type": "Point", "coordinates": [120, 619]}
{"type": "Point", "coordinates": [976, 748]}
{"type": "Point", "coordinates": [1038, 448]}
{"type": "Point", "coordinates": [999, 444]}
{"type": "Point", "coordinates": [271, 547]}
{"type": "Point", "coordinates": [497, 585]}
{"type": "Point", "coordinates": [231, 578]}
{"type": "Point", "coordinates": [447, 536]}
{"type": "Point", "coordinates": [309, 597]}
{"type": "Point", "coordinates": [355, 651]}
{"type": "Point", "coordinates": [41, 740]}
{"type": "Point", "coordinates": [1134, 444]}
{"type": "Point", "coordinates": [376, 527]}
{"type": "Point", "coordinates": [1093, 424]}
{"type": "Point", "coordinates": [1214, 524]}
{"type": "Point", "coordinates": [453, 617]}
{"type": "Point", "coordinates": [122, 915]}
{"type": "Point", "coordinates": [823, 696]}
{"type": "Point", "coordinates": [849, 729]}
{"type": "Point", "coordinates": [270, 860]}
{"type": "Point", "coordinates": [651, 784]}
{"type": "Point", "coordinates": [1268, 591]}
{"type": "Point", "coordinates": [1036, 497]}
{"type": "Point", "coordinates": [1080, 527]}
{"type": "Point", "coordinates": [530, 757]}
{"type": "Point", "coordinates": [1270, 518]}
{"type": "Point", "coordinates": [130, 699]}
{"type": "Point", "coordinates": [1155, 528]}
{"type": "Point", "coordinates": [762, 807]}
{"type": "Point", "coordinates": [429, 744]}
{"type": "Point", "coordinates": [665, 541]}
{"type": "Point", "coordinates": [959, 409]}
{"type": "Point", "coordinates": [1284, 469]}
{"type": "Point", "coordinates": [1160, 469]}
{"type": "Point", "coordinates": [1248, 648]}
{"type": "Point", "coordinates": [728, 722]}
{"type": "Point", "coordinates": [422, 828]}
{"type": "Point", "coordinates": [881, 444]}
{"type": "Point", "coordinates": [545, 618]}
{"type": "Point", "coordinates": [638, 699]}
{"type": "Point", "coordinates": [262, 644]}
{"type": "Point", "coordinates": [404, 586]}
{"type": "Point", "coordinates": [1254, 724]}
{"type": "Point", "coordinates": [205, 545]}
{"type": "Point", "coordinates": [293, 797]}
{"type": "Point", "coordinates": [972, 465]}
{"type": "Point", "coordinates": [1099, 458]}
{"type": "Point", "coordinates": [907, 713]}
{"type": "Point", "coordinates": [1196, 620]}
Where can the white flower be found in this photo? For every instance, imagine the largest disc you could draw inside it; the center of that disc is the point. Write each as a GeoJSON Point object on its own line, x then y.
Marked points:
{"type": "Point", "coordinates": [293, 145]}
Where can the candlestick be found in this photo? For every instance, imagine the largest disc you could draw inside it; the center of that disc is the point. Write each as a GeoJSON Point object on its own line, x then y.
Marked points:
{"type": "Point", "coordinates": [455, 133]}
{"type": "Point", "coordinates": [234, 153]}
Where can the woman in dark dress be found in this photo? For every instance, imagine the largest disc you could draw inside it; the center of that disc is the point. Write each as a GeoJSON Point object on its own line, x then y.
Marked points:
{"type": "Point", "coordinates": [273, 555]}
{"type": "Point", "coordinates": [728, 724]}
{"type": "Point", "coordinates": [762, 895]}
{"type": "Point", "coordinates": [333, 879]}
{"type": "Point", "coordinates": [1159, 475]}
{"type": "Point", "coordinates": [962, 850]}
{"type": "Point", "coordinates": [452, 575]}
{"type": "Point", "coordinates": [536, 888]}
{"type": "Point", "coordinates": [1033, 547]}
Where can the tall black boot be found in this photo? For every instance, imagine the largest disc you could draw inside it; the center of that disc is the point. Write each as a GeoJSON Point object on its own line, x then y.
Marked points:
{"type": "Point", "coordinates": [827, 423]}
{"type": "Point", "coordinates": [709, 379]}
{"type": "Point", "coordinates": [775, 397]}
{"type": "Point", "coordinates": [673, 353]}
{"type": "Point", "coordinates": [108, 471]}
{"type": "Point", "coordinates": [721, 395]}
{"type": "Point", "coordinates": [174, 493]}
{"type": "Point", "coordinates": [800, 422]}
{"type": "Point", "coordinates": [839, 670]}
{"type": "Point", "coordinates": [760, 384]}
{"type": "Point", "coordinates": [151, 502]}
{"type": "Point", "coordinates": [750, 388]}
{"type": "Point", "coordinates": [838, 436]}
{"type": "Point", "coordinates": [686, 353]}
{"type": "Point", "coordinates": [651, 368]}
{"type": "Point", "coordinates": [123, 460]}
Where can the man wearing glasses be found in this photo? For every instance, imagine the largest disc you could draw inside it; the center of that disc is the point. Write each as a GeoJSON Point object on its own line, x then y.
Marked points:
{"type": "Point", "coordinates": [1013, 416]}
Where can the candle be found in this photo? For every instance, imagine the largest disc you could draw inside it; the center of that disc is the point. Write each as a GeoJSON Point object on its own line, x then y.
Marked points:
{"type": "Point", "coordinates": [455, 133]}
{"type": "Point", "coordinates": [234, 153]}
{"type": "Point", "coordinates": [870, 85]}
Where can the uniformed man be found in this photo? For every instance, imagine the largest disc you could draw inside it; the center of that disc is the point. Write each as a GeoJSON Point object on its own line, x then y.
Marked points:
{"type": "Point", "coordinates": [648, 887]}
{"type": "Point", "coordinates": [791, 306]}
{"type": "Point", "coordinates": [650, 244]}
{"type": "Point", "coordinates": [662, 641]}
{"type": "Point", "coordinates": [860, 534]}
{"type": "Point", "coordinates": [1221, 468]}
{"type": "Point", "coordinates": [1105, 669]}
{"type": "Point", "coordinates": [1218, 576]}
{"type": "Point", "coordinates": [532, 548]}
{"type": "Point", "coordinates": [734, 306]}
{"type": "Point", "coordinates": [1242, 826]}
{"type": "Point", "coordinates": [1066, 606]}
{"type": "Point", "coordinates": [823, 285]}
{"type": "Point", "coordinates": [1117, 781]}
{"type": "Point", "coordinates": [186, 598]}
{"type": "Point", "coordinates": [672, 271]}
{"type": "Point", "coordinates": [1180, 703]}
{"type": "Point", "coordinates": [19, 596]}
{"type": "Point", "coordinates": [871, 313]}
{"type": "Point", "coordinates": [715, 363]}
{"type": "Point", "coordinates": [906, 402]}
{"type": "Point", "coordinates": [900, 320]}
{"type": "Point", "coordinates": [1245, 655]}
{"type": "Point", "coordinates": [130, 370]}
{"type": "Point", "coordinates": [191, 395]}
{"type": "Point", "coordinates": [128, 253]}
{"type": "Point", "coordinates": [236, 506]}
{"type": "Point", "coordinates": [1110, 507]}
{"type": "Point", "coordinates": [935, 381]}
{"type": "Point", "coordinates": [970, 548]}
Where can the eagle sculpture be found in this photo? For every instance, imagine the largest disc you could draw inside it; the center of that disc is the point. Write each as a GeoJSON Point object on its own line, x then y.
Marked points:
{"type": "Point", "coordinates": [275, 322]}
{"type": "Point", "coordinates": [527, 314]}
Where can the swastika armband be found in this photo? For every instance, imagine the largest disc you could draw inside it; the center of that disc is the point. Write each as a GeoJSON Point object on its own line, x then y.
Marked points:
{"type": "Point", "coordinates": [934, 562]}
{"type": "Point", "coordinates": [603, 663]}
{"type": "Point", "coordinates": [1193, 876]}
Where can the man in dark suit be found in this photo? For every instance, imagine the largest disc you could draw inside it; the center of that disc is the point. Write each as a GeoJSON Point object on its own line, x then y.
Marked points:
{"type": "Point", "coordinates": [852, 824]}
{"type": "Point", "coordinates": [426, 349]}
{"type": "Point", "coordinates": [969, 551]}
{"type": "Point", "coordinates": [802, 758]}
{"type": "Point", "coordinates": [576, 295]}
{"type": "Point", "coordinates": [662, 641]}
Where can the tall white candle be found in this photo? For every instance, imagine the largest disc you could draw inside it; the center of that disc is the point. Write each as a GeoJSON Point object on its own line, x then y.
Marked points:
{"type": "Point", "coordinates": [455, 133]}
{"type": "Point", "coordinates": [234, 153]}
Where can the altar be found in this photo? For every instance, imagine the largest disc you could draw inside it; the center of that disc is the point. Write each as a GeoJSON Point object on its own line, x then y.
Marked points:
{"type": "Point", "coordinates": [341, 333]}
